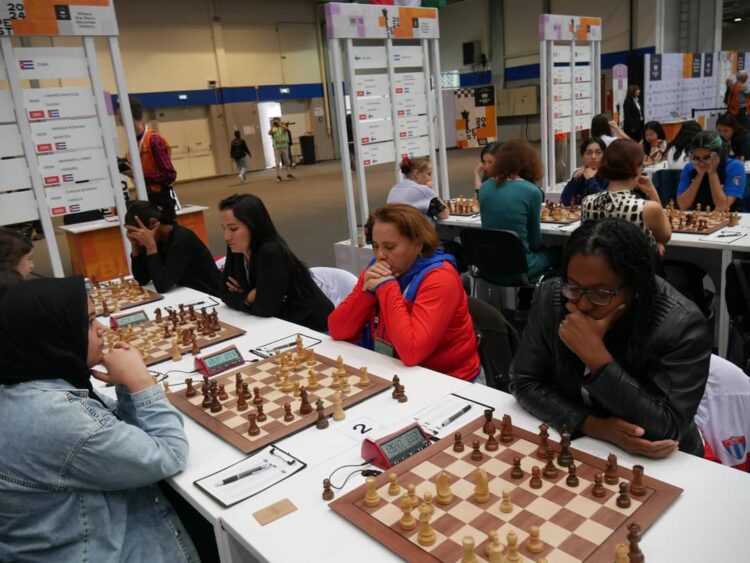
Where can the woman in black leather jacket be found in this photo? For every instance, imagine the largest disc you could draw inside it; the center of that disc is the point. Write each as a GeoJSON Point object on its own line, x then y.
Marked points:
{"type": "Point", "coordinates": [613, 351]}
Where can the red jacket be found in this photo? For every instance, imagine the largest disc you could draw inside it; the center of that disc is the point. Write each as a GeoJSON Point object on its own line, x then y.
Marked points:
{"type": "Point", "coordinates": [435, 331]}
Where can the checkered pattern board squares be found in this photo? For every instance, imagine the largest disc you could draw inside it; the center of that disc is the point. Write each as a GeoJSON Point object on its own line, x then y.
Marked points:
{"type": "Point", "coordinates": [556, 213]}
{"type": "Point", "coordinates": [232, 424]}
{"type": "Point", "coordinates": [123, 294]}
{"type": "Point", "coordinates": [574, 525]}
{"type": "Point", "coordinates": [464, 93]}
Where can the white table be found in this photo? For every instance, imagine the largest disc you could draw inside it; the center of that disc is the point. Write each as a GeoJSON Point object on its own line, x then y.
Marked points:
{"type": "Point", "coordinates": [714, 254]}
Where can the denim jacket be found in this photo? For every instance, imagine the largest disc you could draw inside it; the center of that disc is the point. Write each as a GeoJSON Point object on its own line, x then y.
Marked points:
{"type": "Point", "coordinates": [77, 479]}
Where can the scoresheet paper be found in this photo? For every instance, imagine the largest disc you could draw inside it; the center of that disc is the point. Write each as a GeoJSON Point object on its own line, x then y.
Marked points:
{"type": "Point", "coordinates": [449, 407]}
{"type": "Point", "coordinates": [285, 344]}
{"type": "Point", "coordinates": [250, 476]}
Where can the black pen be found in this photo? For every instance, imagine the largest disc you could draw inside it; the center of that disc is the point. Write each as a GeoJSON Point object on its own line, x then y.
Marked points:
{"type": "Point", "coordinates": [453, 417]}
{"type": "Point", "coordinates": [242, 475]}
{"type": "Point", "coordinates": [728, 235]}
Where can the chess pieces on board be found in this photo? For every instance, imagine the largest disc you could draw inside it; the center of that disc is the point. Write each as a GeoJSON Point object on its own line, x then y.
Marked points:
{"type": "Point", "coordinates": [327, 491]}
{"type": "Point", "coordinates": [463, 206]}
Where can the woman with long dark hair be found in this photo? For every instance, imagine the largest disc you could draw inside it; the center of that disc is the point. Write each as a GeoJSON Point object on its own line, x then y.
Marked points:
{"type": "Point", "coordinates": [734, 134]}
{"type": "Point", "coordinates": [654, 143]}
{"type": "Point", "coordinates": [586, 180]}
{"type": "Point", "coordinates": [486, 161]}
{"type": "Point", "coordinates": [16, 252]}
{"type": "Point", "coordinates": [633, 119]}
{"type": "Point", "coordinates": [606, 130]}
{"type": "Point", "coordinates": [711, 178]}
{"type": "Point", "coordinates": [678, 149]}
{"type": "Point", "coordinates": [613, 351]}
{"type": "Point", "coordinates": [262, 276]}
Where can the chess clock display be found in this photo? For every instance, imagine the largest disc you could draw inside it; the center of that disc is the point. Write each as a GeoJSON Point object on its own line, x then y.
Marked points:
{"type": "Point", "coordinates": [217, 362]}
{"type": "Point", "coordinates": [395, 448]}
{"type": "Point", "coordinates": [128, 320]}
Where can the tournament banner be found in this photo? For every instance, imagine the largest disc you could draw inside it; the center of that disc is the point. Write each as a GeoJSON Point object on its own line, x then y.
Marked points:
{"type": "Point", "coordinates": [476, 124]}
{"type": "Point", "coordinates": [76, 198]}
{"type": "Point", "coordinates": [51, 62]}
{"type": "Point", "coordinates": [65, 135]}
{"type": "Point", "coordinates": [58, 103]}
{"type": "Point", "coordinates": [54, 18]}
{"type": "Point", "coordinates": [619, 90]}
{"type": "Point", "coordinates": [418, 146]}
{"type": "Point", "coordinates": [360, 21]}
{"type": "Point", "coordinates": [377, 153]}
{"type": "Point", "coordinates": [69, 168]}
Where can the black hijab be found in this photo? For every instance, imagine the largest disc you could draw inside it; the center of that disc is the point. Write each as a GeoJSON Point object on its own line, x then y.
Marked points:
{"type": "Point", "coordinates": [44, 332]}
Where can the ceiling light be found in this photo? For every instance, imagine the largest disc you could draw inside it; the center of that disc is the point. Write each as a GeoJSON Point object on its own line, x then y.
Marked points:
{"type": "Point", "coordinates": [737, 19]}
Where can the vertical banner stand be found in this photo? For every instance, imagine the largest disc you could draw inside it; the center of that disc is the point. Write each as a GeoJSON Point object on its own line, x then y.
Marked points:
{"type": "Point", "coordinates": [570, 57]}
{"type": "Point", "coordinates": [387, 49]}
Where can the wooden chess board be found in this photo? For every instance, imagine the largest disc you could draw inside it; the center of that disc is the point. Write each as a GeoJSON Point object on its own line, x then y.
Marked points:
{"type": "Point", "coordinates": [149, 338]}
{"type": "Point", "coordinates": [713, 224]}
{"type": "Point", "coordinates": [463, 207]}
{"type": "Point", "coordinates": [574, 525]}
{"type": "Point", "coordinates": [120, 295]}
{"type": "Point", "coordinates": [231, 424]}
{"type": "Point", "coordinates": [560, 215]}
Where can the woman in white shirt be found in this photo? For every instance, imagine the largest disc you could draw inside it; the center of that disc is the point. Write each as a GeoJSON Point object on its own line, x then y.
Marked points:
{"type": "Point", "coordinates": [678, 150]}
{"type": "Point", "coordinates": [415, 189]}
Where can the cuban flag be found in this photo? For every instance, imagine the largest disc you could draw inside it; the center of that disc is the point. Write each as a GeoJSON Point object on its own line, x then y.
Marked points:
{"type": "Point", "coordinates": [75, 208]}
{"type": "Point", "coordinates": [61, 146]}
{"type": "Point", "coordinates": [53, 113]}
{"type": "Point", "coordinates": [26, 65]}
{"type": "Point", "coordinates": [735, 446]}
{"type": "Point", "coordinates": [57, 211]}
{"type": "Point", "coordinates": [67, 178]}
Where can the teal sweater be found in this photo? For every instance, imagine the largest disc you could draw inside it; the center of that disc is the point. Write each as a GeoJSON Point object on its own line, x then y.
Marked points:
{"type": "Point", "coordinates": [516, 205]}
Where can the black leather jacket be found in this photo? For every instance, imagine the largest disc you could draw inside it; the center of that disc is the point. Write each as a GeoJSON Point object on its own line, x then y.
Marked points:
{"type": "Point", "coordinates": [547, 378]}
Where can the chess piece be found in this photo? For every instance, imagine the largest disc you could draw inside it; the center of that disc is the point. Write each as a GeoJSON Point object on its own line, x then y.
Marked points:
{"type": "Point", "coordinates": [476, 454]}
{"type": "Point", "coordinates": [506, 505]}
{"type": "Point", "coordinates": [443, 487]}
{"type": "Point", "coordinates": [491, 444]}
{"type": "Point", "coordinates": [458, 445]}
{"type": "Point", "coordinates": [340, 369]}
{"type": "Point", "coordinates": [512, 556]}
{"type": "Point", "coordinates": [305, 407]}
{"type": "Point", "coordinates": [610, 472]}
{"type": "Point", "coordinates": [286, 385]}
{"type": "Point", "coordinates": [206, 397]}
{"type": "Point", "coordinates": [516, 472]}
{"type": "Point", "coordinates": [277, 356]}
{"type": "Point", "coordinates": [312, 380]}
{"type": "Point", "coordinates": [396, 381]}
{"type": "Point", "coordinates": [541, 451]}
{"type": "Point", "coordinates": [427, 501]}
{"type": "Point", "coordinates": [364, 380]}
{"type": "Point", "coordinates": [186, 337]}
{"type": "Point", "coordinates": [411, 492]}
{"type": "Point", "coordinates": [489, 426]}
{"type": "Point", "coordinates": [345, 387]}
{"type": "Point", "coordinates": [506, 430]}
{"type": "Point", "coordinates": [426, 535]}
{"type": "Point", "coordinates": [372, 498]}
{"type": "Point", "coordinates": [536, 480]}
{"type": "Point", "coordinates": [572, 479]}
{"type": "Point", "coordinates": [393, 488]}
{"type": "Point", "coordinates": [194, 349]}
{"type": "Point", "coordinates": [598, 489]}
{"type": "Point", "coordinates": [246, 393]}
{"type": "Point", "coordinates": [260, 415]}
{"type": "Point", "coordinates": [222, 392]}
{"type": "Point", "coordinates": [468, 555]}
{"type": "Point", "coordinates": [327, 491]}
{"type": "Point", "coordinates": [407, 521]}
{"type": "Point", "coordinates": [252, 428]}
{"type": "Point", "coordinates": [296, 389]}
{"type": "Point", "coordinates": [241, 402]}
{"type": "Point", "coordinates": [564, 458]}
{"type": "Point", "coordinates": [165, 384]}
{"type": "Point", "coordinates": [215, 404]}
{"type": "Point", "coordinates": [190, 390]}
{"type": "Point", "coordinates": [289, 416]}
{"type": "Point", "coordinates": [481, 486]}
{"type": "Point", "coordinates": [176, 353]}
{"type": "Point", "coordinates": [493, 544]}
{"type": "Point", "coordinates": [238, 383]}
{"type": "Point", "coordinates": [550, 470]}
{"type": "Point", "coordinates": [157, 315]}
{"type": "Point", "coordinates": [311, 360]}
{"type": "Point", "coordinates": [637, 488]}
{"type": "Point", "coordinates": [534, 544]}
{"type": "Point", "coordinates": [257, 399]}
{"type": "Point", "coordinates": [622, 553]}
{"type": "Point", "coordinates": [298, 345]}
{"type": "Point", "coordinates": [623, 499]}
{"type": "Point", "coordinates": [401, 396]}
{"type": "Point", "coordinates": [634, 537]}
{"type": "Point", "coordinates": [322, 421]}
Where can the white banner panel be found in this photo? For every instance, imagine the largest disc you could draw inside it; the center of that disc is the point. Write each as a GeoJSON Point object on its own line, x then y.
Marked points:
{"type": "Point", "coordinates": [418, 146]}
{"type": "Point", "coordinates": [561, 125]}
{"type": "Point", "coordinates": [582, 107]}
{"type": "Point", "coordinates": [407, 55]}
{"type": "Point", "coordinates": [408, 105]}
{"type": "Point", "coordinates": [58, 103]}
{"type": "Point", "coordinates": [10, 141]}
{"type": "Point", "coordinates": [75, 198]}
{"type": "Point", "coordinates": [367, 85]}
{"type": "Point", "coordinates": [14, 174]}
{"type": "Point", "coordinates": [67, 168]}
{"type": "Point", "coordinates": [561, 75]}
{"type": "Point", "coordinates": [377, 153]}
{"type": "Point", "coordinates": [557, 27]}
{"type": "Point", "coordinates": [561, 92]}
{"type": "Point", "coordinates": [7, 114]}
{"type": "Point", "coordinates": [17, 207]}
{"type": "Point", "coordinates": [582, 122]}
{"type": "Point", "coordinates": [368, 57]}
{"type": "Point", "coordinates": [560, 53]}
{"type": "Point", "coordinates": [561, 109]}
{"type": "Point", "coordinates": [373, 108]}
{"type": "Point", "coordinates": [582, 90]}
{"type": "Point", "coordinates": [375, 131]}
{"type": "Point", "coordinates": [51, 62]}
{"type": "Point", "coordinates": [582, 54]}
{"type": "Point", "coordinates": [409, 127]}
{"type": "Point", "coordinates": [361, 21]}
{"type": "Point", "coordinates": [582, 74]}
{"type": "Point", "coordinates": [66, 134]}
{"type": "Point", "coordinates": [410, 83]}
{"type": "Point", "coordinates": [46, 18]}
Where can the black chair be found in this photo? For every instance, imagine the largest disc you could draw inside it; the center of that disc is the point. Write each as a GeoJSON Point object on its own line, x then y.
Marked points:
{"type": "Point", "coordinates": [666, 182]}
{"type": "Point", "coordinates": [494, 253]}
{"type": "Point", "coordinates": [497, 342]}
{"type": "Point", "coordinates": [737, 296]}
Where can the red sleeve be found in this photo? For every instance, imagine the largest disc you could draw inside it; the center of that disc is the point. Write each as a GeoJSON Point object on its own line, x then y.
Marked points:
{"type": "Point", "coordinates": [348, 319]}
{"type": "Point", "coordinates": [166, 174]}
{"type": "Point", "coordinates": [416, 334]}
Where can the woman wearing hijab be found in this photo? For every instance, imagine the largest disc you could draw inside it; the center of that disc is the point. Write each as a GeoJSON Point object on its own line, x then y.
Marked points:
{"type": "Point", "coordinates": [78, 470]}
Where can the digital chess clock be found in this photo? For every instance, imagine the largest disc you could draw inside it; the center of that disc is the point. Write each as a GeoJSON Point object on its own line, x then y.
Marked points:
{"type": "Point", "coordinates": [217, 362]}
{"type": "Point", "coordinates": [128, 319]}
{"type": "Point", "coordinates": [395, 448]}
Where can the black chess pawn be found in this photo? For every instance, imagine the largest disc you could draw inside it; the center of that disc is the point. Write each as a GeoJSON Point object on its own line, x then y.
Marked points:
{"type": "Point", "coordinates": [564, 458]}
{"type": "Point", "coordinates": [327, 491]}
{"type": "Point", "coordinates": [288, 414]}
{"type": "Point", "coordinates": [572, 479]}
{"type": "Point", "coordinates": [536, 479]}
{"type": "Point", "coordinates": [598, 489]}
{"type": "Point", "coordinates": [516, 472]}
{"type": "Point", "coordinates": [458, 445]}
{"type": "Point", "coordinates": [396, 381]}
{"type": "Point", "coordinates": [476, 454]}
{"type": "Point", "coordinates": [322, 421]}
{"type": "Point", "coordinates": [252, 428]}
{"type": "Point", "coordinates": [550, 470]}
{"type": "Point", "coordinates": [623, 499]}
{"type": "Point", "coordinates": [261, 416]}
{"type": "Point", "coordinates": [190, 390]}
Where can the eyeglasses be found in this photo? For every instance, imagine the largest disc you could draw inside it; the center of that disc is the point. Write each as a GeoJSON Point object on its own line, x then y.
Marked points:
{"type": "Point", "coordinates": [705, 159]}
{"type": "Point", "coordinates": [596, 295]}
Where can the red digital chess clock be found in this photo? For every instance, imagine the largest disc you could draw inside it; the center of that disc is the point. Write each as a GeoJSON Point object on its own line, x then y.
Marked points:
{"type": "Point", "coordinates": [395, 448]}
{"type": "Point", "coordinates": [217, 362]}
{"type": "Point", "coordinates": [128, 319]}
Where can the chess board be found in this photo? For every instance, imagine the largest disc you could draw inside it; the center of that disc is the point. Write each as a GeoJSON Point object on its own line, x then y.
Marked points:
{"type": "Point", "coordinates": [120, 295]}
{"type": "Point", "coordinates": [574, 525]}
{"type": "Point", "coordinates": [560, 215]}
{"type": "Point", "coordinates": [231, 424]}
{"type": "Point", "coordinates": [149, 338]}
{"type": "Point", "coordinates": [463, 207]}
{"type": "Point", "coordinates": [713, 224]}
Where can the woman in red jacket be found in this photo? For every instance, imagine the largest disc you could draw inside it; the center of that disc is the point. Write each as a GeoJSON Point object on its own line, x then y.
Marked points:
{"type": "Point", "coordinates": [410, 302]}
